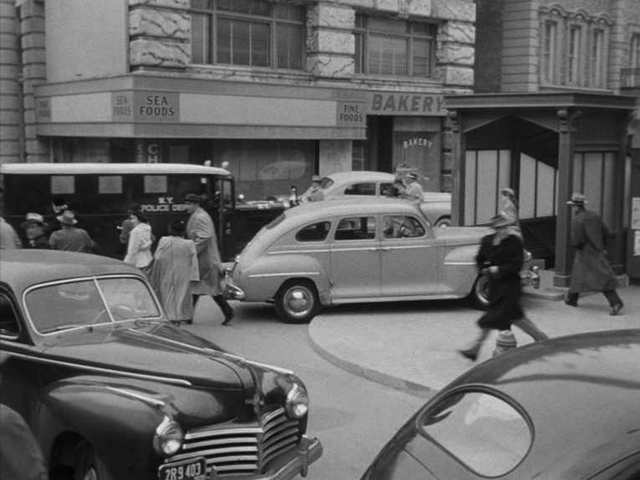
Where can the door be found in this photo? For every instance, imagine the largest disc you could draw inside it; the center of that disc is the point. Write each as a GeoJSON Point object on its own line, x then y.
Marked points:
{"type": "Point", "coordinates": [410, 263]}
{"type": "Point", "coordinates": [355, 259]}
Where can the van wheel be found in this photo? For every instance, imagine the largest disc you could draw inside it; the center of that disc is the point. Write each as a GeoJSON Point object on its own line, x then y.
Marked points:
{"type": "Point", "coordinates": [297, 301]}
{"type": "Point", "coordinates": [443, 222]}
{"type": "Point", "coordinates": [87, 465]}
{"type": "Point", "coordinates": [479, 295]}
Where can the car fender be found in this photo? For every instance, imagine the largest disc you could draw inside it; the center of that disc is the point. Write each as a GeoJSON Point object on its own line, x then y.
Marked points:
{"type": "Point", "coordinates": [459, 268]}
{"type": "Point", "coordinates": [118, 421]}
{"type": "Point", "coordinates": [264, 277]}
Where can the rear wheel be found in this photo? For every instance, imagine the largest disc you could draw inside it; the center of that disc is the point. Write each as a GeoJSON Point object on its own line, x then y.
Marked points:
{"type": "Point", "coordinates": [297, 301]}
{"type": "Point", "coordinates": [479, 295]}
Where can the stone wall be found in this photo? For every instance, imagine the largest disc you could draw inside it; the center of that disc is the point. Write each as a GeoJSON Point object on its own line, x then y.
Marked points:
{"type": "Point", "coordinates": [10, 94]}
{"type": "Point", "coordinates": [334, 156]}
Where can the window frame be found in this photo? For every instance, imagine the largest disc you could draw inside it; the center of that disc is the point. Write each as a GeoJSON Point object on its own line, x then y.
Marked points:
{"type": "Point", "coordinates": [634, 50]}
{"type": "Point", "coordinates": [327, 234]}
{"type": "Point", "coordinates": [338, 220]}
{"type": "Point", "coordinates": [213, 13]}
{"type": "Point", "coordinates": [575, 47]}
{"type": "Point", "coordinates": [363, 33]}
{"type": "Point", "coordinates": [16, 315]}
{"type": "Point", "coordinates": [548, 52]}
{"type": "Point", "coordinates": [597, 57]}
{"type": "Point", "coordinates": [406, 218]}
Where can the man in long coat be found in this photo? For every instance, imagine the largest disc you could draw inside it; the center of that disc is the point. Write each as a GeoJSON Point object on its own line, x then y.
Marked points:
{"type": "Point", "coordinates": [591, 270]}
{"type": "Point", "coordinates": [200, 229]}
{"type": "Point", "coordinates": [501, 256]}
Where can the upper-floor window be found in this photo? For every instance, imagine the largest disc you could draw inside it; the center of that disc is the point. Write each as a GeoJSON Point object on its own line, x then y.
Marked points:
{"type": "Point", "coordinates": [256, 33]}
{"type": "Point", "coordinates": [597, 59]}
{"type": "Point", "coordinates": [550, 52]}
{"type": "Point", "coordinates": [386, 46]}
{"type": "Point", "coordinates": [634, 52]}
{"type": "Point", "coordinates": [574, 55]}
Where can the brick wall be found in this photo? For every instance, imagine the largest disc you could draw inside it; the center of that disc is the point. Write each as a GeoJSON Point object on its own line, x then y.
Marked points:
{"type": "Point", "coordinates": [519, 72]}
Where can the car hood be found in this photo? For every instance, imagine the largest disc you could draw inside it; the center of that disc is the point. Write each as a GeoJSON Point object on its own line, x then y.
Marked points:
{"type": "Point", "coordinates": [155, 349]}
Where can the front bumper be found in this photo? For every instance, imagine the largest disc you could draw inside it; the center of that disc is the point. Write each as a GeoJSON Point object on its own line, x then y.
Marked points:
{"type": "Point", "coordinates": [291, 464]}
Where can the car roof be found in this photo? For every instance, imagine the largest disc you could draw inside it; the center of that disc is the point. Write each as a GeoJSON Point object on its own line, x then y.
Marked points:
{"type": "Point", "coordinates": [581, 391]}
{"type": "Point", "coordinates": [365, 205]}
{"type": "Point", "coordinates": [22, 268]}
{"type": "Point", "coordinates": [44, 168]}
{"type": "Point", "coordinates": [362, 176]}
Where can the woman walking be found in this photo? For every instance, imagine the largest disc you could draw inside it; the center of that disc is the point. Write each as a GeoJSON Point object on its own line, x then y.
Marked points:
{"type": "Point", "coordinates": [139, 245]}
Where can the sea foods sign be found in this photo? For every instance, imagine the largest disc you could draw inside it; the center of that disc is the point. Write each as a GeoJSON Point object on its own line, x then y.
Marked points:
{"type": "Point", "coordinates": [140, 106]}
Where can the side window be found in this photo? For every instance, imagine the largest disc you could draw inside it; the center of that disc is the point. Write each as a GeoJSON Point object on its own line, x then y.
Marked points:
{"type": "Point", "coordinates": [9, 326]}
{"type": "Point", "coordinates": [356, 228]}
{"type": "Point", "coordinates": [387, 190]}
{"type": "Point", "coordinates": [401, 226]}
{"type": "Point", "coordinates": [361, 189]}
{"type": "Point", "coordinates": [314, 233]}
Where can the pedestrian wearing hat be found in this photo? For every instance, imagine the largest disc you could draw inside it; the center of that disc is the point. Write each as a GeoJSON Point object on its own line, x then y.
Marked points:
{"type": "Point", "coordinates": [140, 241]}
{"type": "Point", "coordinates": [20, 455]}
{"type": "Point", "coordinates": [35, 230]}
{"type": "Point", "coordinates": [71, 238]}
{"type": "Point", "coordinates": [200, 229]}
{"type": "Point", "coordinates": [9, 239]}
{"type": "Point", "coordinates": [591, 270]}
{"type": "Point", "coordinates": [501, 256]}
{"type": "Point", "coordinates": [413, 191]}
{"type": "Point", "coordinates": [175, 268]}
{"type": "Point", "coordinates": [314, 192]}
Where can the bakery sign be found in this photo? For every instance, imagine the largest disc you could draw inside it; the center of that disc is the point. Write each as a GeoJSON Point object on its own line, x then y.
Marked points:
{"type": "Point", "coordinates": [405, 104]}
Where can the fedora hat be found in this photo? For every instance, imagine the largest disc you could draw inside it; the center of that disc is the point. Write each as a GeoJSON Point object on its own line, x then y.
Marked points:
{"type": "Point", "coordinates": [193, 198]}
{"type": "Point", "coordinates": [577, 199]}
{"type": "Point", "coordinates": [501, 220]}
{"type": "Point", "coordinates": [33, 217]}
{"type": "Point", "coordinates": [67, 218]}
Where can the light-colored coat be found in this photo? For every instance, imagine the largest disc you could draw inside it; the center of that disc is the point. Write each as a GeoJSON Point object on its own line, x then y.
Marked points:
{"type": "Point", "coordinates": [200, 229]}
{"type": "Point", "coordinates": [174, 268]}
{"type": "Point", "coordinates": [139, 246]}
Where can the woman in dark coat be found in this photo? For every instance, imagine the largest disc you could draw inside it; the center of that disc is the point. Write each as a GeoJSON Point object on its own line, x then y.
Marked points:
{"type": "Point", "coordinates": [591, 270]}
{"type": "Point", "coordinates": [501, 257]}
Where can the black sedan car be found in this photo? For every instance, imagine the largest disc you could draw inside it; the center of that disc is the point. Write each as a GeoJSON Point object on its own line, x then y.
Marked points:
{"type": "Point", "coordinates": [113, 391]}
{"type": "Point", "coordinates": [563, 409]}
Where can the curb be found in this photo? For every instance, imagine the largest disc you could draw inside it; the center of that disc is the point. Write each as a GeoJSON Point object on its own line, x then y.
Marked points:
{"type": "Point", "coordinates": [369, 373]}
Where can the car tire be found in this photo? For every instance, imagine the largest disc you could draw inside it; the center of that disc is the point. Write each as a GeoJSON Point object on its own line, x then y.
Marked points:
{"type": "Point", "coordinates": [443, 222]}
{"type": "Point", "coordinates": [297, 301]}
{"type": "Point", "coordinates": [87, 465]}
{"type": "Point", "coordinates": [479, 296]}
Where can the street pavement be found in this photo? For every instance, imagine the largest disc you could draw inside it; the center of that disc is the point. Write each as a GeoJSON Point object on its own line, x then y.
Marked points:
{"type": "Point", "coordinates": [414, 347]}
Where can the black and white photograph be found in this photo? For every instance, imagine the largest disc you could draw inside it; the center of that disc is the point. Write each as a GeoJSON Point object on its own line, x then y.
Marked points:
{"type": "Point", "coordinates": [319, 239]}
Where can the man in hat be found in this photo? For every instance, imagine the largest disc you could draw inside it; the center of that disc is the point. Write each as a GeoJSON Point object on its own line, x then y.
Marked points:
{"type": "Point", "coordinates": [70, 237]}
{"type": "Point", "coordinates": [501, 257]}
{"type": "Point", "coordinates": [314, 192]}
{"type": "Point", "coordinates": [413, 191]}
{"type": "Point", "coordinates": [35, 230]}
{"type": "Point", "coordinates": [20, 454]}
{"type": "Point", "coordinates": [591, 270]}
{"type": "Point", "coordinates": [200, 229]}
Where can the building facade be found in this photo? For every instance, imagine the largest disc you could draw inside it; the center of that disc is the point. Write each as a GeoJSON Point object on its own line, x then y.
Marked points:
{"type": "Point", "coordinates": [274, 91]}
{"type": "Point", "coordinates": [555, 111]}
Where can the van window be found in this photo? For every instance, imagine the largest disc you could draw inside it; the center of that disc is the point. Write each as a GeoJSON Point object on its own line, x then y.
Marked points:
{"type": "Point", "coordinates": [110, 184]}
{"type": "Point", "coordinates": [63, 184]}
{"type": "Point", "coordinates": [155, 184]}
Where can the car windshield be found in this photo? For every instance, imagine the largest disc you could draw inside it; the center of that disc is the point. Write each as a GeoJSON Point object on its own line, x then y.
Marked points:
{"type": "Point", "coordinates": [482, 431]}
{"type": "Point", "coordinates": [85, 302]}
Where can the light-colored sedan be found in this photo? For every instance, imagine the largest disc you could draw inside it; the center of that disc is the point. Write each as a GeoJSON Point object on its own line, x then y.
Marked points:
{"type": "Point", "coordinates": [436, 205]}
{"type": "Point", "coordinates": [350, 251]}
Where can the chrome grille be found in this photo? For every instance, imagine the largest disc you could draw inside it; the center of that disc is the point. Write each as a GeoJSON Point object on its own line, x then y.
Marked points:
{"type": "Point", "coordinates": [235, 449]}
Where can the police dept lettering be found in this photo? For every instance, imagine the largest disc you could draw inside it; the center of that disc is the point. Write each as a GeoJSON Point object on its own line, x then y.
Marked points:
{"type": "Point", "coordinates": [163, 204]}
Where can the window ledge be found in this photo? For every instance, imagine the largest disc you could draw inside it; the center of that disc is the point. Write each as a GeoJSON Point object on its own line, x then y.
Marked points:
{"type": "Point", "coordinates": [395, 79]}
{"type": "Point", "coordinates": [241, 71]}
{"type": "Point", "coordinates": [568, 88]}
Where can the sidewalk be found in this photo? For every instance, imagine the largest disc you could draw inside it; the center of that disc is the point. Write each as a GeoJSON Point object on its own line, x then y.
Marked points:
{"type": "Point", "coordinates": [412, 346]}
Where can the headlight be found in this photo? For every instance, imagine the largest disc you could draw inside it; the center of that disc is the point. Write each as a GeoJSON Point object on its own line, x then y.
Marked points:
{"type": "Point", "coordinates": [297, 402]}
{"type": "Point", "coordinates": [168, 438]}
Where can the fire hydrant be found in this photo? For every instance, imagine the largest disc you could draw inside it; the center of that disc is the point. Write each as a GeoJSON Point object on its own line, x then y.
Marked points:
{"type": "Point", "coordinates": [506, 341]}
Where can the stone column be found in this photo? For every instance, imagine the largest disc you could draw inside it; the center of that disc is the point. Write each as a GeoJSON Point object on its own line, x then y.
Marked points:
{"type": "Point", "coordinates": [458, 165]}
{"type": "Point", "coordinates": [566, 134]}
{"type": "Point", "coordinates": [10, 96]}
{"type": "Point", "coordinates": [34, 73]}
{"type": "Point", "coordinates": [330, 40]}
{"type": "Point", "coordinates": [160, 34]}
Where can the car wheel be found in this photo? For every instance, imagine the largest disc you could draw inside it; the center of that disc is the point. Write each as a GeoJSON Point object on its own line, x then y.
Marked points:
{"type": "Point", "coordinates": [297, 301]}
{"type": "Point", "coordinates": [443, 222]}
{"type": "Point", "coordinates": [479, 295]}
{"type": "Point", "coordinates": [87, 465]}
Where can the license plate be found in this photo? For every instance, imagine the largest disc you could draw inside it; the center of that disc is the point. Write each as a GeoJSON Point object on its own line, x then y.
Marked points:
{"type": "Point", "coordinates": [193, 469]}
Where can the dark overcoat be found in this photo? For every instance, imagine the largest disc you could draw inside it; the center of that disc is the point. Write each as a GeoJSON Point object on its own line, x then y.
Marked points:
{"type": "Point", "coordinates": [505, 289]}
{"type": "Point", "coordinates": [591, 270]}
{"type": "Point", "coordinates": [200, 229]}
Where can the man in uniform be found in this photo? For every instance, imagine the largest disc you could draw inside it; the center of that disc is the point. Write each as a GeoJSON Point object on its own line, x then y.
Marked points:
{"type": "Point", "coordinates": [591, 270]}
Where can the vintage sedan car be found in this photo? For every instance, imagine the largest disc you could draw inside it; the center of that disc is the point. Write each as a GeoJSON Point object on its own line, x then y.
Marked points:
{"type": "Point", "coordinates": [436, 205]}
{"type": "Point", "coordinates": [562, 409]}
{"type": "Point", "coordinates": [350, 251]}
{"type": "Point", "coordinates": [113, 391]}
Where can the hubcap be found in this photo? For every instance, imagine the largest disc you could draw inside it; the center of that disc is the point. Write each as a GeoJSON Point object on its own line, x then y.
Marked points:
{"type": "Point", "coordinates": [298, 301]}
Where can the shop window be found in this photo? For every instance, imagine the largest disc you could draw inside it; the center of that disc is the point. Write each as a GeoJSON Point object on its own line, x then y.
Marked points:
{"type": "Point", "coordinates": [598, 67]}
{"type": "Point", "coordinates": [549, 52]}
{"type": "Point", "coordinates": [387, 46]}
{"type": "Point", "coordinates": [634, 51]}
{"type": "Point", "coordinates": [575, 55]}
{"type": "Point", "coordinates": [254, 33]}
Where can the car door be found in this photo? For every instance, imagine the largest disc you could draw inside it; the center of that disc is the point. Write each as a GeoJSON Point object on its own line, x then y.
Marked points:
{"type": "Point", "coordinates": [410, 261]}
{"type": "Point", "coordinates": [355, 259]}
